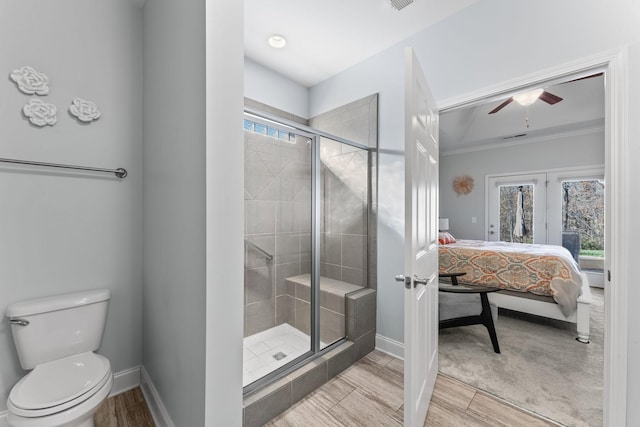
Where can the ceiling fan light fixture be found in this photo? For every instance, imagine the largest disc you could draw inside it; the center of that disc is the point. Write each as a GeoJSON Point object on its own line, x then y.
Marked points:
{"type": "Point", "coordinates": [277, 41]}
{"type": "Point", "coordinates": [527, 98]}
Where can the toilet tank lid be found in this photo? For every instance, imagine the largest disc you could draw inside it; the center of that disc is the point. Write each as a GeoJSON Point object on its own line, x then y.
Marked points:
{"type": "Point", "coordinates": [57, 302]}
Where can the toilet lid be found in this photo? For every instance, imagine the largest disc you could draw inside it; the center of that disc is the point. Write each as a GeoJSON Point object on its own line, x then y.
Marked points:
{"type": "Point", "coordinates": [54, 383]}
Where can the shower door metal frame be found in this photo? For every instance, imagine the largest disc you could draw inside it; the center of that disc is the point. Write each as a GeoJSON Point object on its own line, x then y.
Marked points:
{"type": "Point", "coordinates": [314, 136]}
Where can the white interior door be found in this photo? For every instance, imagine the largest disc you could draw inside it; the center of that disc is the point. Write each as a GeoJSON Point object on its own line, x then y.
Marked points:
{"type": "Point", "coordinates": [421, 244]}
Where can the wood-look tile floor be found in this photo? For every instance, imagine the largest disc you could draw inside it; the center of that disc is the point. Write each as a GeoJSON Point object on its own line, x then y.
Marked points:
{"type": "Point", "coordinates": [369, 393]}
{"type": "Point", "coordinates": [128, 409]}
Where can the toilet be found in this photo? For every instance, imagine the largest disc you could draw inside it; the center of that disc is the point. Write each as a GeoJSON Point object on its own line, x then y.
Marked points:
{"type": "Point", "coordinates": [55, 338]}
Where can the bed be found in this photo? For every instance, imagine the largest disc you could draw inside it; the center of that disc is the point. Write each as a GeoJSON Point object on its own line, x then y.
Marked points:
{"type": "Point", "coordinates": [543, 280]}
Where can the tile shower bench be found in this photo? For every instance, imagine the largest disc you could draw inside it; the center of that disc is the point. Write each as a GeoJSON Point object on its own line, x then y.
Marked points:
{"type": "Point", "coordinates": [345, 310]}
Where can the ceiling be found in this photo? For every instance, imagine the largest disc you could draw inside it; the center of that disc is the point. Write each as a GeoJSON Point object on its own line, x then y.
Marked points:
{"type": "Point", "coordinates": [326, 37]}
{"type": "Point", "coordinates": [473, 127]}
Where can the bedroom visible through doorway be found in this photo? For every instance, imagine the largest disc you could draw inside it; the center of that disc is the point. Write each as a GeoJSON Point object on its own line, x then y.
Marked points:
{"type": "Point", "coordinates": [546, 163]}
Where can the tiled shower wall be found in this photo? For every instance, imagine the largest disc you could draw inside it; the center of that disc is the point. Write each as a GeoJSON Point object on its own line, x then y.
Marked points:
{"type": "Point", "coordinates": [344, 201]}
{"type": "Point", "coordinates": [348, 228]}
{"type": "Point", "coordinates": [277, 219]}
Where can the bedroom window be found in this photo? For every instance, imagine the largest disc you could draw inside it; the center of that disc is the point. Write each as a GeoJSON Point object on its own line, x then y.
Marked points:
{"type": "Point", "coordinates": [517, 206]}
{"type": "Point", "coordinates": [555, 204]}
{"type": "Point", "coordinates": [516, 213]}
{"type": "Point", "coordinates": [583, 214]}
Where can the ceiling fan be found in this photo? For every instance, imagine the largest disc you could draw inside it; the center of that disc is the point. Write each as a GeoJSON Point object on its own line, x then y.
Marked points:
{"type": "Point", "coordinates": [527, 98]}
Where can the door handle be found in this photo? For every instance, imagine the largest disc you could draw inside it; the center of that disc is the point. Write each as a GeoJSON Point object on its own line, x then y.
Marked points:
{"type": "Point", "coordinates": [417, 280]}
{"type": "Point", "coordinates": [405, 279]}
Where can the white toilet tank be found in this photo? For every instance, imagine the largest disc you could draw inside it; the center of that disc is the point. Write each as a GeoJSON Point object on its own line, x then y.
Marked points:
{"type": "Point", "coordinates": [46, 329]}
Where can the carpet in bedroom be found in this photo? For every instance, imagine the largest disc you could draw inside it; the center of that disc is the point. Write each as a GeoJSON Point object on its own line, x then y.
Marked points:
{"type": "Point", "coordinates": [542, 367]}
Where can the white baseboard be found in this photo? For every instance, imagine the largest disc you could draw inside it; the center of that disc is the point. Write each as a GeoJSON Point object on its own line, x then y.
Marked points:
{"type": "Point", "coordinates": [390, 346]}
{"type": "Point", "coordinates": [125, 381]}
{"type": "Point", "coordinates": [156, 407]}
{"type": "Point", "coordinates": [596, 278]}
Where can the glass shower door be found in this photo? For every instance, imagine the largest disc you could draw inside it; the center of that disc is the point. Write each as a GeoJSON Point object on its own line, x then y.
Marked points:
{"type": "Point", "coordinates": [278, 247]}
{"type": "Point", "coordinates": [307, 199]}
{"type": "Point", "coordinates": [344, 196]}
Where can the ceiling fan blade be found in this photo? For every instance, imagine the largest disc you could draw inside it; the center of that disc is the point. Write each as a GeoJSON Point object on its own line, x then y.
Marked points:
{"type": "Point", "coordinates": [501, 106]}
{"type": "Point", "coordinates": [584, 78]}
{"type": "Point", "coordinates": [550, 98]}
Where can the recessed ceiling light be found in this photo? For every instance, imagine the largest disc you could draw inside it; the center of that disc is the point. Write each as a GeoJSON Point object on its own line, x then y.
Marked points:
{"type": "Point", "coordinates": [277, 41]}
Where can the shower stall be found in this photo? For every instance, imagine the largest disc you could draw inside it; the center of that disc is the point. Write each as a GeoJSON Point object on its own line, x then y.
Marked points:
{"type": "Point", "coordinates": [309, 206]}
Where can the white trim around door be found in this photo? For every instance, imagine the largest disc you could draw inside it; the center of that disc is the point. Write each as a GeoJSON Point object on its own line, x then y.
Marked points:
{"type": "Point", "coordinates": [615, 65]}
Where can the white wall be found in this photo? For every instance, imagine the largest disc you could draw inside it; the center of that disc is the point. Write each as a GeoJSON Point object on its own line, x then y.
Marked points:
{"type": "Point", "coordinates": [633, 253]}
{"type": "Point", "coordinates": [488, 43]}
{"type": "Point", "coordinates": [60, 231]}
{"type": "Point", "coordinates": [265, 85]}
{"type": "Point", "coordinates": [552, 153]}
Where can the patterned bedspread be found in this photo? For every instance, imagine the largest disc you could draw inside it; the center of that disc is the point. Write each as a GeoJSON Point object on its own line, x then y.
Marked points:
{"type": "Point", "coordinates": [540, 269]}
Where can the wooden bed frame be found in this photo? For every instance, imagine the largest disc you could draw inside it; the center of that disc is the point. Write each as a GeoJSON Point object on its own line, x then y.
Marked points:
{"type": "Point", "coordinates": [547, 307]}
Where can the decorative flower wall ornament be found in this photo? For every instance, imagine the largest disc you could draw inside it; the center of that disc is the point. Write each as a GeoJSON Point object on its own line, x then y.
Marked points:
{"type": "Point", "coordinates": [83, 110]}
{"type": "Point", "coordinates": [40, 113]}
{"type": "Point", "coordinates": [463, 184]}
{"type": "Point", "coordinates": [30, 81]}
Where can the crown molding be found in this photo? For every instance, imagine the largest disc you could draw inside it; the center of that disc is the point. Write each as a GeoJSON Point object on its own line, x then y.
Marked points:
{"type": "Point", "coordinates": [526, 140]}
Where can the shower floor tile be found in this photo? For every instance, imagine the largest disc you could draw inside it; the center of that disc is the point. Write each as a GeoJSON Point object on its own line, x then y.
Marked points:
{"type": "Point", "coordinates": [260, 348]}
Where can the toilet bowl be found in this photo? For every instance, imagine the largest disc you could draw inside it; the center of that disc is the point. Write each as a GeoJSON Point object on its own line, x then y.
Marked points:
{"type": "Point", "coordinates": [65, 392]}
{"type": "Point", "coordinates": [56, 338]}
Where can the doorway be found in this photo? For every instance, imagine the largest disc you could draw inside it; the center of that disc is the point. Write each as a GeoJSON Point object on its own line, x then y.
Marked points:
{"type": "Point", "coordinates": [615, 137]}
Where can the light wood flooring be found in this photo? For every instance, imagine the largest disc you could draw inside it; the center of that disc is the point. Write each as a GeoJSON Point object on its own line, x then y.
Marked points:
{"type": "Point", "coordinates": [369, 393]}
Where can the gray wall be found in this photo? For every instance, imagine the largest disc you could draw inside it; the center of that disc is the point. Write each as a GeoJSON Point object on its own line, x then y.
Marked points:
{"type": "Point", "coordinates": [174, 272]}
{"type": "Point", "coordinates": [553, 153]}
{"type": "Point", "coordinates": [278, 92]}
{"type": "Point", "coordinates": [193, 228]}
{"type": "Point", "coordinates": [62, 231]}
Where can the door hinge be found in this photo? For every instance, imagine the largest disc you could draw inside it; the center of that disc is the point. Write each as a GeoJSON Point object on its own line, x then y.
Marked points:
{"type": "Point", "coordinates": [608, 275]}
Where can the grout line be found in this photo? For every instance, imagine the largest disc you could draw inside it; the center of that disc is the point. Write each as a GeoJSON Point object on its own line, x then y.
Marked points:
{"type": "Point", "coordinates": [475, 393]}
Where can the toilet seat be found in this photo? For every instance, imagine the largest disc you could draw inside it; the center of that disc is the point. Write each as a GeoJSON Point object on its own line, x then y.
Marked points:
{"type": "Point", "coordinates": [58, 385]}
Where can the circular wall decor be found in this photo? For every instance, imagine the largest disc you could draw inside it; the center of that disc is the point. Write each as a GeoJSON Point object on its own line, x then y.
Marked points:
{"type": "Point", "coordinates": [463, 184]}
